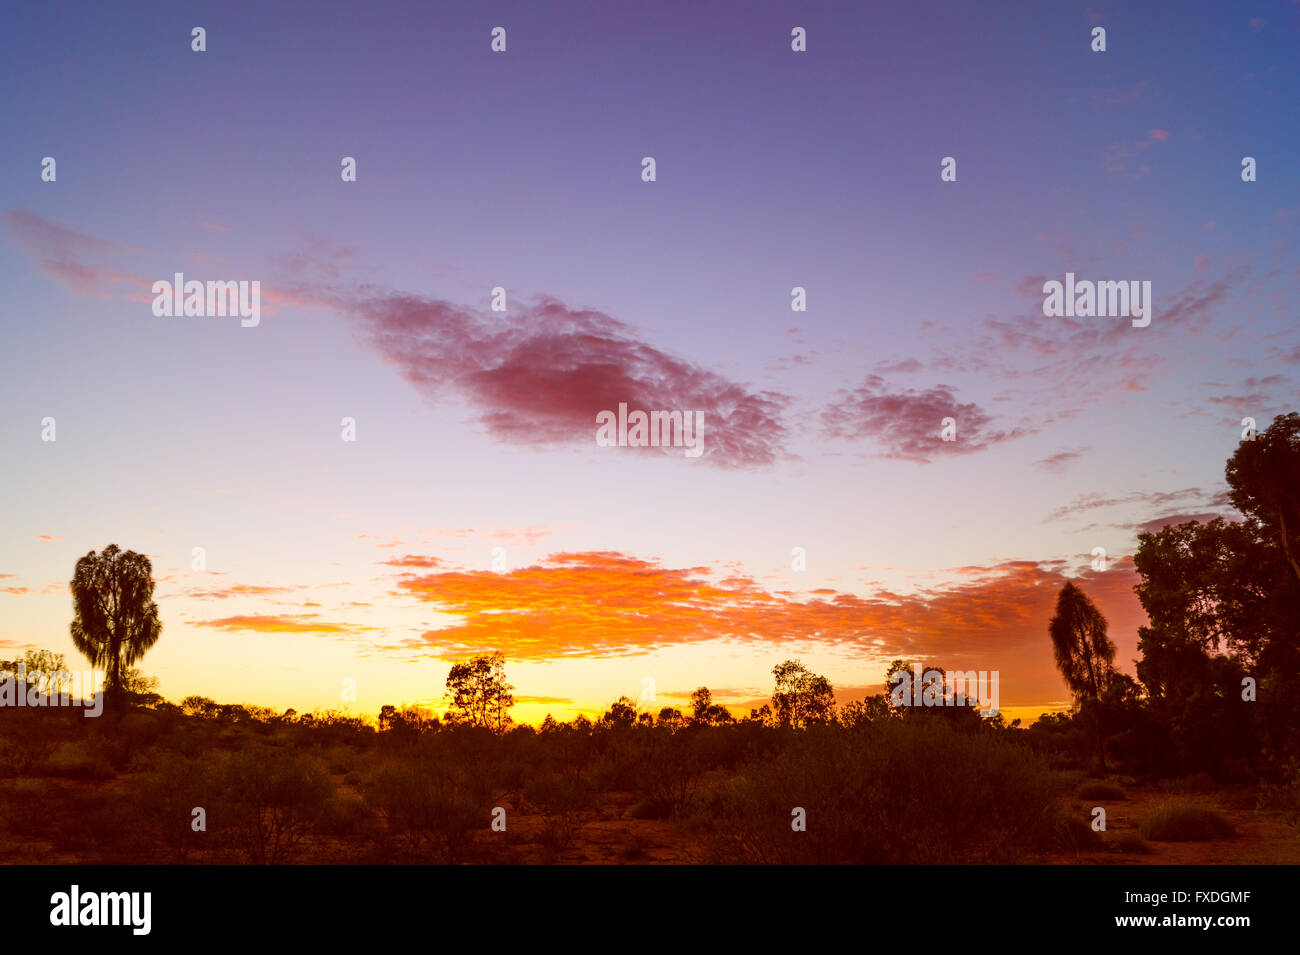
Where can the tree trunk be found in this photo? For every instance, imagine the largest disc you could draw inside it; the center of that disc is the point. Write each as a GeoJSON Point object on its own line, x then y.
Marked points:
{"type": "Point", "coordinates": [1286, 543]}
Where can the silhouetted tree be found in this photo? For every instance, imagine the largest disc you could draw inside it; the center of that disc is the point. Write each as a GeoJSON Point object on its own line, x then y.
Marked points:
{"type": "Point", "coordinates": [701, 699]}
{"type": "Point", "coordinates": [902, 695]}
{"type": "Point", "coordinates": [115, 619]}
{"type": "Point", "coordinates": [1084, 655]}
{"type": "Point", "coordinates": [1223, 604]}
{"type": "Point", "coordinates": [622, 712]}
{"type": "Point", "coordinates": [801, 697]}
{"type": "Point", "coordinates": [480, 693]}
{"type": "Point", "coordinates": [1264, 475]}
{"type": "Point", "coordinates": [670, 717]}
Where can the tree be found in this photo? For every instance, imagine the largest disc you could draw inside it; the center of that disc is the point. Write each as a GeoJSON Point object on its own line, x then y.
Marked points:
{"type": "Point", "coordinates": [479, 691]}
{"type": "Point", "coordinates": [704, 712]}
{"type": "Point", "coordinates": [1264, 475]}
{"type": "Point", "coordinates": [1084, 655]}
{"type": "Point", "coordinates": [405, 724]}
{"type": "Point", "coordinates": [701, 700]}
{"type": "Point", "coordinates": [115, 620]}
{"type": "Point", "coordinates": [1223, 604]}
{"type": "Point", "coordinates": [671, 717]}
{"type": "Point", "coordinates": [43, 669]}
{"type": "Point", "coordinates": [622, 712]}
{"type": "Point", "coordinates": [902, 695]}
{"type": "Point", "coordinates": [801, 697]}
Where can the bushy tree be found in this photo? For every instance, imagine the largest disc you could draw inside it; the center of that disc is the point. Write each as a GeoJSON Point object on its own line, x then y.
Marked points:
{"type": "Point", "coordinates": [801, 697]}
{"type": "Point", "coordinates": [115, 620]}
{"type": "Point", "coordinates": [480, 693]}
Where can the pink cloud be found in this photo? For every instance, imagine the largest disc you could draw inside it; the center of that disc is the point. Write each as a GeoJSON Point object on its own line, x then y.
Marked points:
{"type": "Point", "coordinates": [906, 424]}
{"type": "Point", "coordinates": [539, 374]}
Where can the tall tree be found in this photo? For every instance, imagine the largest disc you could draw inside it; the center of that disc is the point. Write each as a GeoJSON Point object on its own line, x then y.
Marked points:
{"type": "Point", "coordinates": [1264, 475]}
{"type": "Point", "coordinates": [1084, 655]}
{"type": "Point", "coordinates": [479, 691]}
{"type": "Point", "coordinates": [115, 620]}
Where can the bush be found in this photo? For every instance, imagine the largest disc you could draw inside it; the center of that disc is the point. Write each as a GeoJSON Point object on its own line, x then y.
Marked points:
{"type": "Point", "coordinates": [635, 845]}
{"type": "Point", "coordinates": [78, 761]}
{"type": "Point", "coordinates": [270, 800]}
{"type": "Point", "coordinates": [1183, 822]}
{"type": "Point", "coordinates": [429, 807]}
{"type": "Point", "coordinates": [652, 807]}
{"type": "Point", "coordinates": [555, 794]}
{"type": "Point", "coordinates": [345, 817]}
{"type": "Point", "coordinates": [24, 806]}
{"type": "Point", "coordinates": [558, 833]}
{"type": "Point", "coordinates": [167, 788]}
{"type": "Point", "coordinates": [23, 753]}
{"type": "Point", "coordinates": [1283, 797]}
{"type": "Point", "coordinates": [1064, 828]}
{"type": "Point", "coordinates": [897, 791]}
{"type": "Point", "coordinates": [103, 824]}
{"type": "Point", "coordinates": [1131, 841]}
{"type": "Point", "coordinates": [1107, 792]}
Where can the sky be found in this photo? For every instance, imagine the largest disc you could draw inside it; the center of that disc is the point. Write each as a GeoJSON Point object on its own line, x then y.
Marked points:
{"type": "Point", "coordinates": [371, 565]}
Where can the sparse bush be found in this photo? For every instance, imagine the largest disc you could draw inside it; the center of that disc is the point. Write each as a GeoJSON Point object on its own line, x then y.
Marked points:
{"type": "Point", "coordinates": [635, 845]}
{"type": "Point", "coordinates": [345, 817]}
{"type": "Point", "coordinates": [1178, 821]}
{"type": "Point", "coordinates": [78, 761]}
{"type": "Point", "coordinates": [429, 807]}
{"type": "Point", "coordinates": [886, 794]}
{"type": "Point", "coordinates": [652, 807]}
{"type": "Point", "coordinates": [1130, 841]}
{"type": "Point", "coordinates": [167, 787]}
{"type": "Point", "coordinates": [558, 833]}
{"type": "Point", "coordinates": [270, 800]}
{"type": "Point", "coordinates": [1103, 791]}
{"type": "Point", "coordinates": [23, 753]}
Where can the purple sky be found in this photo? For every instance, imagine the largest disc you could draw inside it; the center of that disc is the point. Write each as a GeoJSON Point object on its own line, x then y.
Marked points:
{"type": "Point", "coordinates": [522, 169]}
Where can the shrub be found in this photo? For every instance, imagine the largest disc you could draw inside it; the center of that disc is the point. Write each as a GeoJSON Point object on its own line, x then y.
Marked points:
{"type": "Point", "coordinates": [635, 845]}
{"type": "Point", "coordinates": [269, 801]}
{"type": "Point", "coordinates": [897, 791]}
{"type": "Point", "coordinates": [1283, 797]}
{"type": "Point", "coordinates": [1097, 789]}
{"type": "Point", "coordinates": [23, 753]}
{"type": "Point", "coordinates": [558, 833]}
{"type": "Point", "coordinates": [555, 794]}
{"type": "Point", "coordinates": [429, 807]}
{"type": "Point", "coordinates": [1183, 822]}
{"type": "Point", "coordinates": [652, 807]}
{"type": "Point", "coordinates": [78, 761]}
{"type": "Point", "coordinates": [166, 788]}
{"type": "Point", "coordinates": [24, 806]}
{"type": "Point", "coordinates": [1131, 841]}
{"type": "Point", "coordinates": [90, 820]}
{"type": "Point", "coordinates": [346, 817]}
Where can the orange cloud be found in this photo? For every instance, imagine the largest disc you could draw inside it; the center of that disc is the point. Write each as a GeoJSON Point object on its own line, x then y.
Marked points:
{"type": "Point", "coordinates": [280, 623]}
{"type": "Point", "coordinates": [236, 590]}
{"type": "Point", "coordinates": [604, 604]}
